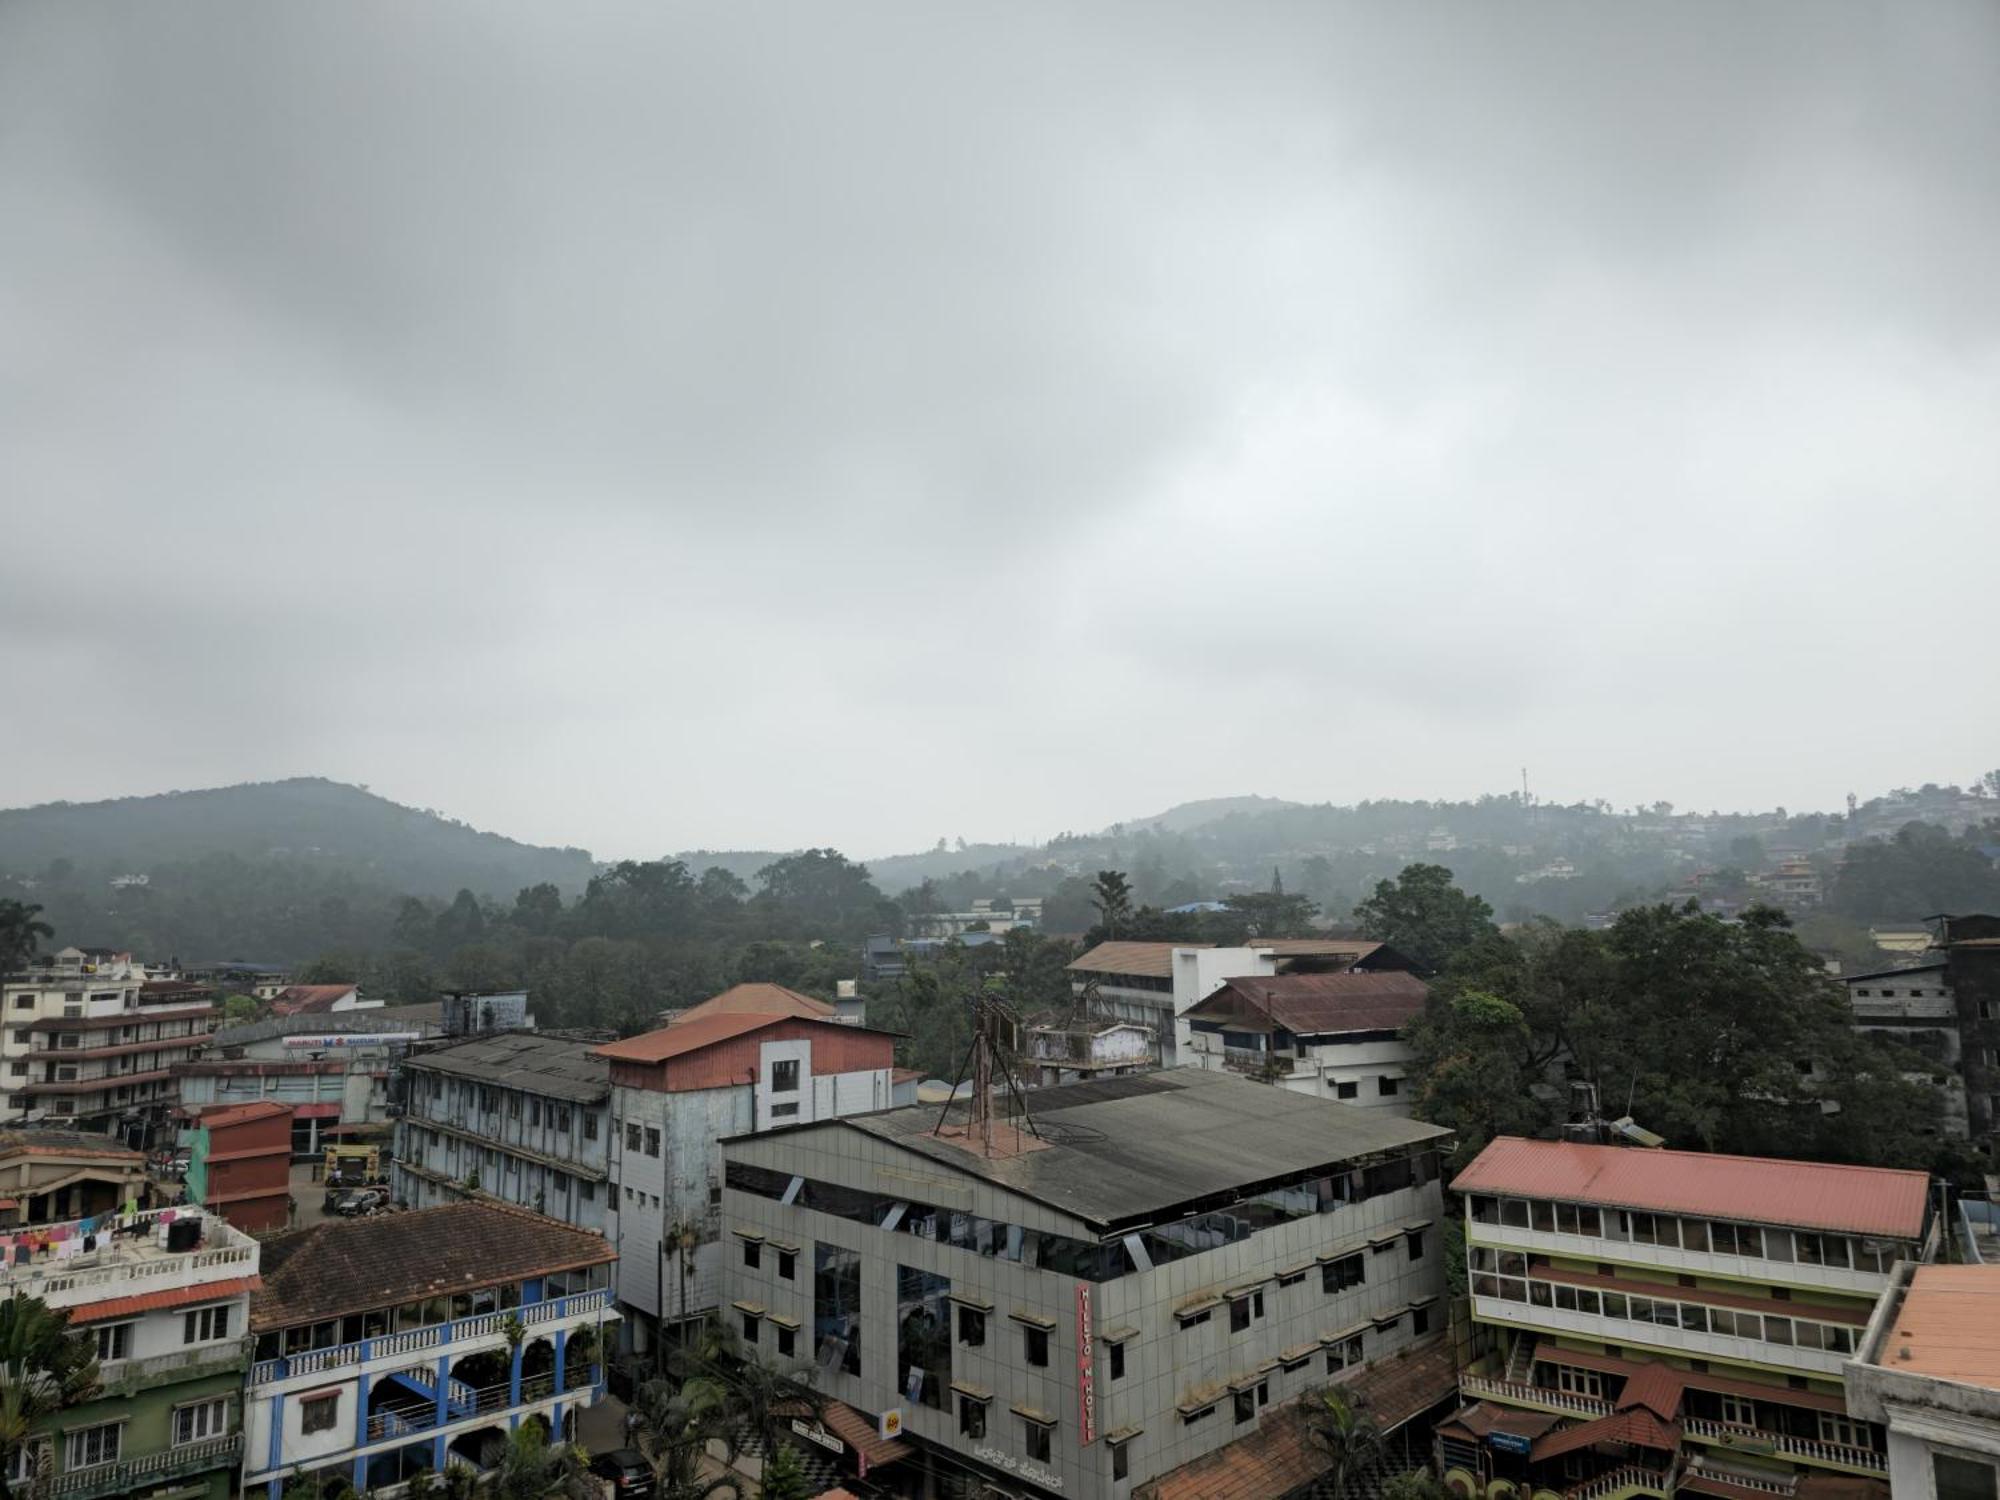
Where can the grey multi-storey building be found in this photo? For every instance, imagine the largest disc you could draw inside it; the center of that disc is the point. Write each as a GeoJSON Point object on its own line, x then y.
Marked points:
{"type": "Point", "coordinates": [519, 1115]}
{"type": "Point", "coordinates": [1075, 1309]}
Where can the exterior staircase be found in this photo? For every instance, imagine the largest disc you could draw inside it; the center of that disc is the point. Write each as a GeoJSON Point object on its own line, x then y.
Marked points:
{"type": "Point", "coordinates": [1521, 1360]}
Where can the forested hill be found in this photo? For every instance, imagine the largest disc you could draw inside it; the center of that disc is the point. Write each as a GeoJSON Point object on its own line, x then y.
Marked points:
{"type": "Point", "coordinates": [307, 820]}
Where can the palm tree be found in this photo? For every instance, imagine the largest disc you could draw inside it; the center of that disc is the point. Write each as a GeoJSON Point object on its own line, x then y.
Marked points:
{"type": "Point", "coordinates": [675, 1427]}
{"type": "Point", "coordinates": [20, 931]}
{"type": "Point", "coordinates": [45, 1367]}
{"type": "Point", "coordinates": [1349, 1438]}
{"type": "Point", "coordinates": [533, 1469]}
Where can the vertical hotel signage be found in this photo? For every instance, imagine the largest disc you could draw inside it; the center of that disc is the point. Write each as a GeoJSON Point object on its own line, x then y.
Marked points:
{"type": "Point", "coordinates": [1086, 1366]}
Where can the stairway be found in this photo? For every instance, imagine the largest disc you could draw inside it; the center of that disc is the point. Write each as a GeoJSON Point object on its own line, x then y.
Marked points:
{"type": "Point", "coordinates": [1521, 1360]}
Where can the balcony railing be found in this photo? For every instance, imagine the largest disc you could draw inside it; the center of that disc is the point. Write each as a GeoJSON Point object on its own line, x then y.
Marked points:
{"type": "Point", "coordinates": [120, 1376]}
{"type": "Point", "coordinates": [118, 1261]}
{"type": "Point", "coordinates": [1630, 1476]}
{"type": "Point", "coordinates": [1792, 1447]}
{"type": "Point", "coordinates": [411, 1341]}
{"type": "Point", "coordinates": [131, 1475]}
{"type": "Point", "coordinates": [1512, 1390]}
{"type": "Point", "coordinates": [1773, 1485]}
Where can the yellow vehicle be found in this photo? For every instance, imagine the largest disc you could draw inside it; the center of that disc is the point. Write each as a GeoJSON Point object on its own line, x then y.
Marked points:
{"type": "Point", "coordinates": [351, 1166]}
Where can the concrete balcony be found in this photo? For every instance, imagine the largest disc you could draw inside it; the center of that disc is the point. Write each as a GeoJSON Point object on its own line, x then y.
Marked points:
{"type": "Point", "coordinates": [129, 1476]}
{"type": "Point", "coordinates": [1800, 1450]}
{"type": "Point", "coordinates": [387, 1350]}
{"type": "Point", "coordinates": [1514, 1393]}
{"type": "Point", "coordinates": [1685, 1342]}
{"type": "Point", "coordinates": [122, 1377]}
{"type": "Point", "coordinates": [1592, 1247]}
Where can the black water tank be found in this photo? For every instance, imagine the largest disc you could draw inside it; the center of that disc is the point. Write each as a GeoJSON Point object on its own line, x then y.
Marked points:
{"type": "Point", "coordinates": [184, 1234]}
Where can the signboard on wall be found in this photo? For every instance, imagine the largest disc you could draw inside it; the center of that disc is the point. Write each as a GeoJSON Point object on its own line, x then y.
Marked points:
{"type": "Point", "coordinates": [354, 1039]}
{"type": "Point", "coordinates": [1086, 1366]}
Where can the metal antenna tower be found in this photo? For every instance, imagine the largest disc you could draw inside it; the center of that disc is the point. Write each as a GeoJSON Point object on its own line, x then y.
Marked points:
{"type": "Point", "coordinates": [990, 1015]}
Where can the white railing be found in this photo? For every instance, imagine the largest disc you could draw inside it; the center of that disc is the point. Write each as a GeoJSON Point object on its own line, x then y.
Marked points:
{"type": "Point", "coordinates": [118, 1260]}
{"type": "Point", "coordinates": [1836, 1453]}
{"type": "Point", "coordinates": [393, 1345]}
{"type": "Point", "coordinates": [1773, 1486]}
{"type": "Point", "coordinates": [1630, 1476]}
{"type": "Point", "coordinates": [1511, 1390]}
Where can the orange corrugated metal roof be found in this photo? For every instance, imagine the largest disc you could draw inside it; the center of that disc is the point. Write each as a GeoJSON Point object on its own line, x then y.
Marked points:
{"type": "Point", "coordinates": [237, 1114]}
{"type": "Point", "coordinates": [756, 999]}
{"type": "Point", "coordinates": [1949, 1326]}
{"type": "Point", "coordinates": [689, 1036]}
{"type": "Point", "coordinates": [1658, 1388]}
{"type": "Point", "coordinates": [179, 1296]}
{"type": "Point", "coordinates": [1754, 1189]}
{"type": "Point", "coordinates": [1155, 960]}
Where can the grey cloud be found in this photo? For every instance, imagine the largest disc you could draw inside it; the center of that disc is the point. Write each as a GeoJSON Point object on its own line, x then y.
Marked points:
{"type": "Point", "coordinates": [775, 424]}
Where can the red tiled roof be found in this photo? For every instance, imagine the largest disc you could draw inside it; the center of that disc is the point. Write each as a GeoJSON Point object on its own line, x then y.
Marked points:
{"type": "Point", "coordinates": [1483, 1417]}
{"type": "Point", "coordinates": [1638, 1427]}
{"type": "Point", "coordinates": [1758, 1190]}
{"type": "Point", "coordinates": [759, 1000]}
{"type": "Point", "coordinates": [1656, 1387]}
{"type": "Point", "coordinates": [178, 1296]}
{"type": "Point", "coordinates": [1319, 1004]}
{"type": "Point", "coordinates": [1282, 1454]}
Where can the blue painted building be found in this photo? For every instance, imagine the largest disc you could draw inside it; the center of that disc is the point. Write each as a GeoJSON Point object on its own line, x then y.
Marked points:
{"type": "Point", "coordinates": [389, 1345]}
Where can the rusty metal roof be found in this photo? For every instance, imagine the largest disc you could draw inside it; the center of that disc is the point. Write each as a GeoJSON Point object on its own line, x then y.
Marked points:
{"type": "Point", "coordinates": [1881, 1201]}
{"type": "Point", "coordinates": [1323, 1004]}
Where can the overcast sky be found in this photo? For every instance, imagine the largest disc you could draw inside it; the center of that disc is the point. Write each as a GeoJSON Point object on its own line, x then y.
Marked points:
{"type": "Point", "coordinates": [648, 426]}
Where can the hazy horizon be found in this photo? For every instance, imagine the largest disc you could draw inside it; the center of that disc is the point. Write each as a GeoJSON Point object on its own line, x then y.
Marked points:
{"type": "Point", "coordinates": [653, 428]}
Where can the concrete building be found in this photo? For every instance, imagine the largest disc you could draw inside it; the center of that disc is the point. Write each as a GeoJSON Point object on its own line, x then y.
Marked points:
{"type": "Point", "coordinates": [1333, 1036]}
{"type": "Point", "coordinates": [1156, 984]}
{"type": "Point", "coordinates": [1915, 1007]}
{"type": "Point", "coordinates": [402, 1342]}
{"type": "Point", "coordinates": [89, 1041]}
{"type": "Point", "coordinates": [521, 1116]}
{"type": "Point", "coordinates": [1671, 1322]}
{"type": "Point", "coordinates": [1060, 1047]}
{"type": "Point", "coordinates": [1141, 1281]}
{"type": "Point", "coordinates": [470, 1012]}
{"type": "Point", "coordinates": [165, 1295]}
{"type": "Point", "coordinates": [676, 1092]}
{"type": "Point", "coordinates": [49, 1176]}
{"type": "Point", "coordinates": [336, 1072]}
{"type": "Point", "coordinates": [240, 1164]}
{"type": "Point", "coordinates": [1928, 1373]}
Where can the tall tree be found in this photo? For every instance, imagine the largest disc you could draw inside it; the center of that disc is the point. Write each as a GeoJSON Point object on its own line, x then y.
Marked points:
{"type": "Point", "coordinates": [1473, 1066]}
{"type": "Point", "coordinates": [1111, 894]}
{"type": "Point", "coordinates": [1424, 916]}
{"type": "Point", "coordinates": [21, 932]}
{"type": "Point", "coordinates": [45, 1367]}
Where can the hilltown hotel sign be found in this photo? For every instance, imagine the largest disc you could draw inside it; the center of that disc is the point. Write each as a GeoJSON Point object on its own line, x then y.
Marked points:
{"type": "Point", "coordinates": [1086, 1366]}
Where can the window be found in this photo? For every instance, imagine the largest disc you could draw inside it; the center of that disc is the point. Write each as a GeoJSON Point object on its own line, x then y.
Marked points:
{"type": "Point", "coordinates": [1338, 1275]}
{"type": "Point", "coordinates": [23, 1002]}
{"type": "Point", "coordinates": [1739, 1411]}
{"type": "Point", "coordinates": [1035, 1346]}
{"type": "Point", "coordinates": [1239, 1314]}
{"type": "Point", "coordinates": [204, 1324]}
{"type": "Point", "coordinates": [1193, 1320]}
{"type": "Point", "coordinates": [632, 1137]}
{"type": "Point", "coordinates": [1415, 1240]}
{"type": "Point", "coordinates": [319, 1413]}
{"type": "Point", "coordinates": [1121, 1463]}
{"type": "Point", "coordinates": [750, 1322]}
{"type": "Point", "coordinates": [89, 1446]}
{"type": "Point", "coordinates": [115, 1341]}
{"type": "Point", "coordinates": [1386, 1086]}
{"type": "Point", "coordinates": [785, 1075]}
{"type": "Point", "coordinates": [1347, 1088]}
{"type": "Point", "coordinates": [1844, 1430]}
{"type": "Point", "coordinates": [786, 1111]}
{"type": "Point", "coordinates": [1116, 1348]}
{"type": "Point", "coordinates": [788, 1265]}
{"type": "Point", "coordinates": [589, 1125]}
{"type": "Point", "coordinates": [514, 1105]}
{"type": "Point", "coordinates": [1246, 1405]}
{"type": "Point", "coordinates": [1192, 1417]}
{"type": "Point", "coordinates": [1957, 1478]}
{"type": "Point", "coordinates": [1579, 1382]}
{"type": "Point", "coordinates": [787, 1342]}
{"type": "Point", "coordinates": [204, 1419]}
{"type": "Point", "coordinates": [837, 1307]}
{"type": "Point", "coordinates": [923, 1336]}
{"type": "Point", "coordinates": [753, 1255]}
{"type": "Point", "coordinates": [652, 1140]}
{"type": "Point", "coordinates": [586, 1190]}
{"type": "Point", "coordinates": [1035, 1437]}
{"type": "Point", "coordinates": [1343, 1355]}
{"type": "Point", "coordinates": [27, 1463]}
{"type": "Point", "coordinates": [1420, 1320]}
{"type": "Point", "coordinates": [971, 1417]}
{"type": "Point", "coordinates": [971, 1327]}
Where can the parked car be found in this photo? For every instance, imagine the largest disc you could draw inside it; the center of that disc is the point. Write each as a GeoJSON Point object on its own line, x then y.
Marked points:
{"type": "Point", "coordinates": [351, 1203]}
{"type": "Point", "coordinates": [630, 1477]}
